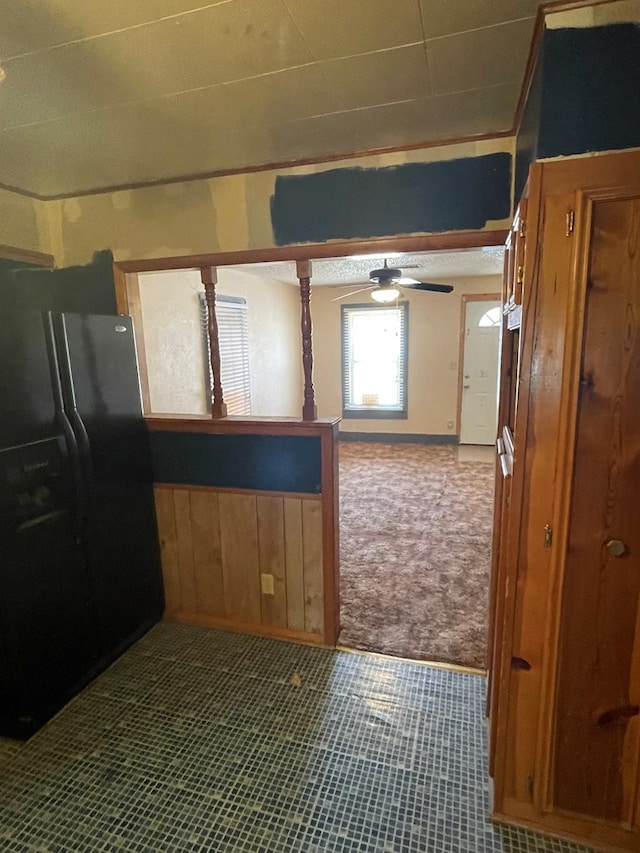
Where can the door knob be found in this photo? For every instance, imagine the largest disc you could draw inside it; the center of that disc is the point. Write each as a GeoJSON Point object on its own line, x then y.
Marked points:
{"type": "Point", "coordinates": [616, 548]}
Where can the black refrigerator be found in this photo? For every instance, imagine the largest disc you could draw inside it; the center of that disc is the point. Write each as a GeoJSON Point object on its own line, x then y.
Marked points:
{"type": "Point", "coordinates": [80, 575]}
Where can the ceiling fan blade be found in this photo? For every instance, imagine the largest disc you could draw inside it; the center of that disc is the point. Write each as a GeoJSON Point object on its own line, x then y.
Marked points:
{"type": "Point", "coordinates": [428, 285]}
{"type": "Point", "coordinates": [353, 293]}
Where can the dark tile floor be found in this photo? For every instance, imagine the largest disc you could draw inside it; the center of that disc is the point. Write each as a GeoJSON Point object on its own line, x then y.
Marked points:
{"type": "Point", "coordinates": [200, 740]}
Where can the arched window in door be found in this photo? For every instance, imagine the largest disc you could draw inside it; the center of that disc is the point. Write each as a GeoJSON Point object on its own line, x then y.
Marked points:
{"type": "Point", "coordinates": [490, 317]}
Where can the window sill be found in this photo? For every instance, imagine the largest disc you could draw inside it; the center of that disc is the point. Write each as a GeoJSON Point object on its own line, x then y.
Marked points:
{"type": "Point", "coordinates": [375, 414]}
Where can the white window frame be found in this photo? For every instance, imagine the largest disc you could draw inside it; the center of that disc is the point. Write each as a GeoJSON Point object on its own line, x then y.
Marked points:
{"type": "Point", "coordinates": [375, 411]}
{"type": "Point", "coordinates": [233, 336]}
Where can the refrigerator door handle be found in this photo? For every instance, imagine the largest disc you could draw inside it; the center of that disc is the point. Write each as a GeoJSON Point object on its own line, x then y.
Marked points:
{"type": "Point", "coordinates": [79, 428]}
{"type": "Point", "coordinates": [85, 452]}
{"type": "Point", "coordinates": [65, 425]}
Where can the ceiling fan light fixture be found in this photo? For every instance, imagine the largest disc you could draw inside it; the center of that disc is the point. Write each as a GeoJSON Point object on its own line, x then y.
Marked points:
{"type": "Point", "coordinates": [385, 294]}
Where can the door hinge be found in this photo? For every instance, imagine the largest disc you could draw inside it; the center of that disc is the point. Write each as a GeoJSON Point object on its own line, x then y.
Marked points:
{"type": "Point", "coordinates": [569, 219]}
{"type": "Point", "coordinates": [520, 275]}
{"type": "Point", "coordinates": [530, 785]}
{"type": "Point", "coordinates": [522, 231]}
{"type": "Point", "coordinates": [548, 536]}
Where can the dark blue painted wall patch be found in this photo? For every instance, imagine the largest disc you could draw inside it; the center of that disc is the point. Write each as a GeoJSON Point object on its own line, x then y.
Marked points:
{"type": "Point", "coordinates": [84, 289]}
{"type": "Point", "coordinates": [527, 138]}
{"type": "Point", "coordinates": [591, 88]}
{"type": "Point", "coordinates": [257, 462]}
{"type": "Point", "coordinates": [342, 204]}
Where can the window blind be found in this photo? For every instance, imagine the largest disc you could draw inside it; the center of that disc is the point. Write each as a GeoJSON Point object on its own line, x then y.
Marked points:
{"type": "Point", "coordinates": [233, 335]}
{"type": "Point", "coordinates": [374, 361]}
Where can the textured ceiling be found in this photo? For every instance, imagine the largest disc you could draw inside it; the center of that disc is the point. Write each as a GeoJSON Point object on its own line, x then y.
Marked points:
{"type": "Point", "coordinates": [121, 92]}
{"type": "Point", "coordinates": [354, 271]}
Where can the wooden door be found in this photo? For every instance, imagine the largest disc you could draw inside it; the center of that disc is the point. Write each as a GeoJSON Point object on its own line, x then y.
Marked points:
{"type": "Point", "coordinates": [597, 701]}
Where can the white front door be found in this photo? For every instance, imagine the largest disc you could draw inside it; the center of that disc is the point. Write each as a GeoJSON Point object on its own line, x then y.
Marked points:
{"type": "Point", "coordinates": [479, 412]}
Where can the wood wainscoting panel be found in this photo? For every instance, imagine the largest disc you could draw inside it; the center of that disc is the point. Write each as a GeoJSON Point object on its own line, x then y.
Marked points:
{"type": "Point", "coordinates": [312, 567]}
{"type": "Point", "coordinates": [271, 545]}
{"type": "Point", "coordinates": [184, 540]}
{"type": "Point", "coordinates": [240, 563]}
{"type": "Point", "coordinates": [294, 555]}
{"type": "Point", "coordinates": [207, 552]}
{"type": "Point", "coordinates": [165, 514]}
{"type": "Point", "coordinates": [216, 545]}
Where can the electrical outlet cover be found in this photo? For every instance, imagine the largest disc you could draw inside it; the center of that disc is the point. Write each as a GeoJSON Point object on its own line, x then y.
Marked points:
{"type": "Point", "coordinates": [266, 583]}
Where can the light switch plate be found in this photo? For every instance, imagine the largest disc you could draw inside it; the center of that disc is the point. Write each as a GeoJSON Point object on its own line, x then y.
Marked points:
{"type": "Point", "coordinates": [266, 583]}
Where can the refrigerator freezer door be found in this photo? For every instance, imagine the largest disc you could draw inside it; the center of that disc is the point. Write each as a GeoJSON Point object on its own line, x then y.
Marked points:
{"type": "Point", "coordinates": [26, 398]}
{"type": "Point", "coordinates": [101, 385]}
{"type": "Point", "coordinates": [47, 646]}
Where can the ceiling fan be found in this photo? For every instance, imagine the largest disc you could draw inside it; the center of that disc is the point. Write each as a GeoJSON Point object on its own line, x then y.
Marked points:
{"type": "Point", "coordinates": [387, 282]}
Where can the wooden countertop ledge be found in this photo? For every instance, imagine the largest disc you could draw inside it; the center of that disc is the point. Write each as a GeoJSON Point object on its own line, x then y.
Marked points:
{"type": "Point", "coordinates": [237, 425]}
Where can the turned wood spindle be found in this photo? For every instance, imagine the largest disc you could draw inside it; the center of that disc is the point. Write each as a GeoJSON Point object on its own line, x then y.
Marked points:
{"type": "Point", "coordinates": [309, 409]}
{"type": "Point", "coordinates": [209, 278]}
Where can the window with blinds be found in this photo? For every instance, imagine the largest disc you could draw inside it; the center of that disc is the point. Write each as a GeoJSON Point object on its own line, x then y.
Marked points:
{"type": "Point", "coordinates": [374, 361]}
{"type": "Point", "coordinates": [233, 334]}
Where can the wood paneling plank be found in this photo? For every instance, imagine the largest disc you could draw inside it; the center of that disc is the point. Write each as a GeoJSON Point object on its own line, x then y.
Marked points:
{"type": "Point", "coordinates": [602, 591]}
{"type": "Point", "coordinates": [240, 559]}
{"type": "Point", "coordinates": [207, 554]}
{"type": "Point", "coordinates": [294, 563]}
{"type": "Point", "coordinates": [182, 512]}
{"type": "Point", "coordinates": [271, 549]}
{"type": "Point", "coordinates": [168, 550]}
{"type": "Point", "coordinates": [313, 567]}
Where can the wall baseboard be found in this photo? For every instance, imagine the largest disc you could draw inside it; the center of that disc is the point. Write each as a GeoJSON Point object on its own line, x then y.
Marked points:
{"type": "Point", "coordinates": [398, 438]}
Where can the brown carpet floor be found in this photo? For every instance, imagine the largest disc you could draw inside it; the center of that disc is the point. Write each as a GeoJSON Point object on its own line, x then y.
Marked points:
{"type": "Point", "coordinates": [415, 531]}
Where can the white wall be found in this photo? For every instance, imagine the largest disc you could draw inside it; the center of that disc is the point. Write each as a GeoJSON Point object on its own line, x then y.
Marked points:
{"type": "Point", "coordinates": [275, 342]}
{"type": "Point", "coordinates": [434, 339]}
{"type": "Point", "coordinates": [174, 353]}
{"type": "Point", "coordinates": [171, 330]}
